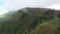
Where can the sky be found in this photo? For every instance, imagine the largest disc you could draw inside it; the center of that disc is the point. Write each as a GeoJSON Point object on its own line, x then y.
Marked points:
{"type": "Point", "coordinates": [56, 6]}
{"type": "Point", "coordinates": [9, 5]}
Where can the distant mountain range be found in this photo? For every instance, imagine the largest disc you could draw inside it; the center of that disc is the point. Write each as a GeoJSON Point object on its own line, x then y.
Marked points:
{"type": "Point", "coordinates": [31, 21]}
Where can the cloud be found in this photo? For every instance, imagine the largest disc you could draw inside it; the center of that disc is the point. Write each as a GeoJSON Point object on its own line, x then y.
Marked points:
{"type": "Point", "coordinates": [55, 6]}
{"type": "Point", "coordinates": [17, 4]}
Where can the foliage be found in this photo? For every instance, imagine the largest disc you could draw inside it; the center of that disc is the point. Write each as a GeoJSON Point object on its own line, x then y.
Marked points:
{"type": "Point", "coordinates": [31, 21]}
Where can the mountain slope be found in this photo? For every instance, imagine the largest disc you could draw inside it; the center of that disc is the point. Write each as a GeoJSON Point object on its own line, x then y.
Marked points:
{"type": "Point", "coordinates": [32, 21]}
{"type": "Point", "coordinates": [50, 27]}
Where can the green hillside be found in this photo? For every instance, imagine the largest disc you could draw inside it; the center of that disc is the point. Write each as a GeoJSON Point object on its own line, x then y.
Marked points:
{"type": "Point", "coordinates": [32, 21]}
{"type": "Point", "coordinates": [5, 17]}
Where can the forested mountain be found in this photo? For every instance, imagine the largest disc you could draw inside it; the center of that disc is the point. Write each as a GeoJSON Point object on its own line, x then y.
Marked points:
{"type": "Point", "coordinates": [32, 21]}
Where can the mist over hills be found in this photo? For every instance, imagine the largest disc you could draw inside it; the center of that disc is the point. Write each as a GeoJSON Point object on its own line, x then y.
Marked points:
{"type": "Point", "coordinates": [32, 21]}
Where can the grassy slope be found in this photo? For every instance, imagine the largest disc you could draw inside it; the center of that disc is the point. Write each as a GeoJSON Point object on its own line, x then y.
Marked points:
{"type": "Point", "coordinates": [49, 27]}
{"type": "Point", "coordinates": [32, 21]}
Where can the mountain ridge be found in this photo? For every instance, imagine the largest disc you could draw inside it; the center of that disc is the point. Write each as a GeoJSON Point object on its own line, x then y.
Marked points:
{"type": "Point", "coordinates": [32, 21]}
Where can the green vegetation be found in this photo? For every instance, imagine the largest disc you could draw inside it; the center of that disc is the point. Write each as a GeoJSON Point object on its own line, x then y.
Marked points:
{"type": "Point", "coordinates": [32, 21]}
